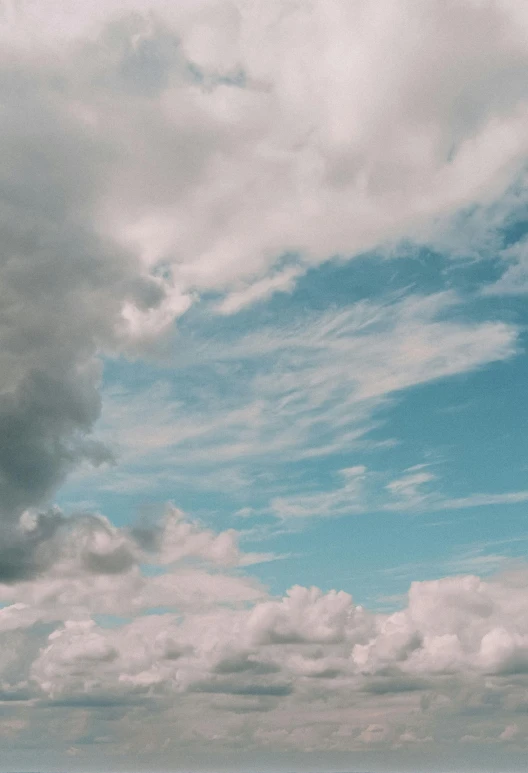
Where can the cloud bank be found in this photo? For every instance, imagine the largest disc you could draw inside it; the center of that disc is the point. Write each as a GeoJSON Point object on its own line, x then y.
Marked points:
{"type": "Point", "coordinates": [212, 657]}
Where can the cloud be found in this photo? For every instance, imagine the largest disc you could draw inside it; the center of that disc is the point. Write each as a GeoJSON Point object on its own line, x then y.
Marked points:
{"type": "Point", "coordinates": [283, 281]}
{"type": "Point", "coordinates": [307, 660]}
{"type": "Point", "coordinates": [412, 493]}
{"type": "Point", "coordinates": [509, 733]}
{"type": "Point", "coordinates": [305, 388]}
{"type": "Point", "coordinates": [272, 151]}
{"type": "Point", "coordinates": [64, 287]}
{"type": "Point", "coordinates": [176, 538]}
{"type": "Point", "coordinates": [348, 499]}
{"type": "Point", "coordinates": [514, 280]}
{"type": "Point", "coordinates": [478, 500]}
{"type": "Point", "coordinates": [86, 564]}
{"type": "Point", "coordinates": [362, 491]}
{"type": "Point", "coordinates": [227, 144]}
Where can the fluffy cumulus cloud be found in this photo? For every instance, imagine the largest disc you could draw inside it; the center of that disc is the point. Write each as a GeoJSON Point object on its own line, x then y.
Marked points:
{"type": "Point", "coordinates": [454, 657]}
{"type": "Point", "coordinates": [220, 137]}
{"type": "Point", "coordinates": [161, 156]}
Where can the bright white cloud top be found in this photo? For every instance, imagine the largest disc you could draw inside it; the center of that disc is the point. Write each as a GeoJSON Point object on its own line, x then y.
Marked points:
{"type": "Point", "coordinates": [263, 488]}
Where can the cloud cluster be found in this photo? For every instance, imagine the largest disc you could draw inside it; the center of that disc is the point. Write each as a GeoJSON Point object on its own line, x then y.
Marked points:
{"type": "Point", "coordinates": [85, 563]}
{"type": "Point", "coordinates": [324, 128]}
{"type": "Point", "coordinates": [74, 638]}
{"type": "Point", "coordinates": [232, 135]}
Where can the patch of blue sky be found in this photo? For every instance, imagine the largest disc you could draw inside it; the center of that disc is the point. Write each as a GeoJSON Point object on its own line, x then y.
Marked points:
{"type": "Point", "coordinates": [467, 428]}
{"type": "Point", "coordinates": [377, 555]}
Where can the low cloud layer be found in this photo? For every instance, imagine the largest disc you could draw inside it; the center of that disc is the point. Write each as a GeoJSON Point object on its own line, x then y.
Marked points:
{"type": "Point", "coordinates": [452, 661]}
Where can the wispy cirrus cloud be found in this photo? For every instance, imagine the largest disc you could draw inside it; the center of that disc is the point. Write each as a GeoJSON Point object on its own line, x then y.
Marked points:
{"type": "Point", "coordinates": [366, 491]}
{"type": "Point", "coordinates": [305, 389]}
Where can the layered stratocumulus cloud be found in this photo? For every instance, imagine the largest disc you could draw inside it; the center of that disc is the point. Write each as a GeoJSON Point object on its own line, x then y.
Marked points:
{"type": "Point", "coordinates": [223, 662]}
{"type": "Point", "coordinates": [204, 156]}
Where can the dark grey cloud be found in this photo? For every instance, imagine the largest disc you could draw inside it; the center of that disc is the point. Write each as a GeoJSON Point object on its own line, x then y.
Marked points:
{"type": "Point", "coordinates": [15, 695]}
{"type": "Point", "coordinates": [396, 684]}
{"type": "Point", "coordinates": [243, 663]}
{"type": "Point", "coordinates": [22, 556]}
{"type": "Point", "coordinates": [50, 536]}
{"type": "Point", "coordinates": [147, 537]}
{"type": "Point", "coordinates": [115, 562]}
{"type": "Point", "coordinates": [62, 286]}
{"type": "Point", "coordinates": [42, 426]}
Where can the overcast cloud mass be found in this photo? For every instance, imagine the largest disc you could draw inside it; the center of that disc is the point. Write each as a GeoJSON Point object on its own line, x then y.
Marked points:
{"type": "Point", "coordinates": [263, 495]}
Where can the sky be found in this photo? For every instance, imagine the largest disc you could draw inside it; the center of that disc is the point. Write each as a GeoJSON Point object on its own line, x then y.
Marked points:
{"type": "Point", "coordinates": [263, 331]}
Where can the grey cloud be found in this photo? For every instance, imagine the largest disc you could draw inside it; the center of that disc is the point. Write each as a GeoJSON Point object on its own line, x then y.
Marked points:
{"type": "Point", "coordinates": [42, 426]}
{"type": "Point", "coordinates": [116, 557]}
{"type": "Point", "coordinates": [326, 673]}
{"type": "Point", "coordinates": [15, 695]}
{"type": "Point", "coordinates": [254, 708]}
{"type": "Point", "coordinates": [116, 562]}
{"type": "Point", "coordinates": [292, 637]}
{"type": "Point", "coordinates": [514, 664]}
{"type": "Point", "coordinates": [139, 65]}
{"type": "Point", "coordinates": [174, 650]}
{"type": "Point", "coordinates": [90, 739]}
{"type": "Point", "coordinates": [148, 538]}
{"type": "Point", "coordinates": [395, 684]}
{"type": "Point", "coordinates": [49, 537]}
{"type": "Point", "coordinates": [98, 547]}
{"type": "Point", "coordinates": [243, 663]}
{"type": "Point", "coordinates": [278, 690]}
{"type": "Point", "coordinates": [106, 701]}
{"type": "Point", "coordinates": [62, 289]}
{"type": "Point", "coordinates": [22, 556]}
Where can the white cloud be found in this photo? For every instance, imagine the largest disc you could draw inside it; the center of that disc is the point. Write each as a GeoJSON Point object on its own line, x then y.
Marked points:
{"type": "Point", "coordinates": [349, 499]}
{"type": "Point", "coordinates": [478, 500]}
{"type": "Point", "coordinates": [362, 492]}
{"type": "Point", "coordinates": [509, 733]}
{"type": "Point", "coordinates": [515, 279]}
{"type": "Point", "coordinates": [305, 389]}
{"type": "Point", "coordinates": [290, 132]}
{"type": "Point", "coordinates": [311, 667]}
{"type": "Point", "coordinates": [331, 153]}
{"type": "Point", "coordinates": [282, 281]}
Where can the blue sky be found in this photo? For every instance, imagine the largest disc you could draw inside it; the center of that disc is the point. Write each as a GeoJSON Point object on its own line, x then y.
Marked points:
{"type": "Point", "coordinates": [461, 433]}
{"type": "Point", "coordinates": [263, 334]}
